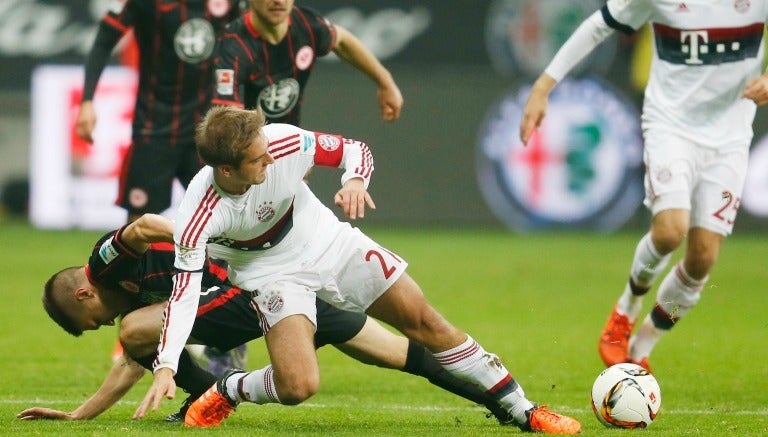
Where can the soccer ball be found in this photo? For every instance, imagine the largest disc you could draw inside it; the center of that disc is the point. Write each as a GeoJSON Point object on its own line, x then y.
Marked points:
{"type": "Point", "coordinates": [626, 396]}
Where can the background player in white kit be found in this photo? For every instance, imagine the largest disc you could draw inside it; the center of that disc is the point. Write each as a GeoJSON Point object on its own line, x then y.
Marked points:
{"type": "Point", "coordinates": [250, 206]}
{"type": "Point", "coordinates": [697, 119]}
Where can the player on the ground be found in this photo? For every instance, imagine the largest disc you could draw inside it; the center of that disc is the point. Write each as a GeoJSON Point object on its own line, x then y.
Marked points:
{"type": "Point", "coordinates": [175, 41]}
{"type": "Point", "coordinates": [265, 58]}
{"type": "Point", "coordinates": [130, 272]}
{"type": "Point", "coordinates": [250, 207]}
{"type": "Point", "coordinates": [697, 125]}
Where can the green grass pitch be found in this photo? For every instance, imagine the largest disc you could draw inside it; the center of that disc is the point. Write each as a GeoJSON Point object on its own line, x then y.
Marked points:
{"type": "Point", "coordinates": [538, 301]}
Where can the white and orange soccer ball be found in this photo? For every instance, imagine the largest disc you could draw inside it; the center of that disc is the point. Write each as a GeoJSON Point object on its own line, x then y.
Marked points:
{"type": "Point", "coordinates": [626, 396]}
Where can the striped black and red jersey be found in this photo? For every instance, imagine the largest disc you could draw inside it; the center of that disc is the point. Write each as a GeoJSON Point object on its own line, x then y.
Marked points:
{"type": "Point", "coordinates": [251, 71]}
{"type": "Point", "coordinates": [175, 41]}
{"type": "Point", "coordinates": [149, 276]}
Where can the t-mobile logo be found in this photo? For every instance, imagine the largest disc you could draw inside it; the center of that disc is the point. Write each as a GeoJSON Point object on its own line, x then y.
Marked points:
{"type": "Point", "coordinates": [696, 43]}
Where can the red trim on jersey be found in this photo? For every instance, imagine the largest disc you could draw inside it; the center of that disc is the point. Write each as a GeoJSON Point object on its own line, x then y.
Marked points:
{"type": "Point", "coordinates": [200, 218]}
{"type": "Point", "coordinates": [116, 24]}
{"type": "Point", "coordinates": [219, 301]}
{"type": "Point", "coordinates": [217, 270]}
{"type": "Point", "coordinates": [162, 247]}
{"type": "Point", "coordinates": [309, 28]}
{"type": "Point", "coordinates": [249, 25]}
{"type": "Point", "coordinates": [284, 146]}
{"type": "Point", "coordinates": [365, 168]}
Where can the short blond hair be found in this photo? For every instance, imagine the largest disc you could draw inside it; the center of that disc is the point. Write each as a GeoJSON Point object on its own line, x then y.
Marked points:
{"type": "Point", "coordinates": [225, 133]}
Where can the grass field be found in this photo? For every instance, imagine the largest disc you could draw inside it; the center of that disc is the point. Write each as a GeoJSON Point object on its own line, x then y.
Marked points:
{"type": "Point", "coordinates": [538, 301]}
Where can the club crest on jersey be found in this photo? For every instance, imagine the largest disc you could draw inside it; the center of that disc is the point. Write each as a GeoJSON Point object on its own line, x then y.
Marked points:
{"type": "Point", "coordinates": [107, 251]}
{"type": "Point", "coordinates": [218, 8]}
{"type": "Point", "coordinates": [194, 40]}
{"type": "Point", "coordinates": [329, 143]}
{"type": "Point", "coordinates": [304, 57]}
{"type": "Point", "coordinates": [742, 5]}
{"type": "Point", "coordinates": [274, 302]}
{"type": "Point", "coordinates": [265, 213]}
{"type": "Point", "coordinates": [279, 98]}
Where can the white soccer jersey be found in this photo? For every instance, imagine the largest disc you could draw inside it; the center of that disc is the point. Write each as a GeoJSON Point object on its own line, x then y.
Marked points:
{"type": "Point", "coordinates": [280, 216]}
{"type": "Point", "coordinates": [705, 52]}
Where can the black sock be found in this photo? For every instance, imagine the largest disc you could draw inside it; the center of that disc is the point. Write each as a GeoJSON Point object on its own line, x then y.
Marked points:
{"type": "Point", "coordinates": [190, 377]}
{"type": "Point", "coordinates": [421, 362]}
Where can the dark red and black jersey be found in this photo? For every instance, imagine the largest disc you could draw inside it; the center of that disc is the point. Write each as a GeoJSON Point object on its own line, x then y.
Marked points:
{"type": "Point", "coordinates": [250, 71]}
{"type": "Point", "coordinates": [175, 41]}
{"type": "Point", "coordinates": [115, 266]}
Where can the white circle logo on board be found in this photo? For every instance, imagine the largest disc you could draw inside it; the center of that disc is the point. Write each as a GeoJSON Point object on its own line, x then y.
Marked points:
{"type": "Point", "coordinates": [582, 168]}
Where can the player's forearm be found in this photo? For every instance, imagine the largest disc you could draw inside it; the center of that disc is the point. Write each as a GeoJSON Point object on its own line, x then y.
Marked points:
{"type": "Point", "coordinates": [125, 373]}
{"type": "Point", "coordinates": [587, 36]}
{"type": "Point", "coordinates": [106, 40]}
{"type": "Point", "coordinates": [352, 51]}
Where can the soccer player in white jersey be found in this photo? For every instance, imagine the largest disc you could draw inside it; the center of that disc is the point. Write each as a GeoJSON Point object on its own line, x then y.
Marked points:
{"type": "Point", "coordinates": [250, 207]}
{"type": "Point", "coordinates": [699, 105]}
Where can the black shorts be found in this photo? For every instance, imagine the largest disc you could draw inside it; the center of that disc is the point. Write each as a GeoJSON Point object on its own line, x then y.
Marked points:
{"type": "Point", "coordinates": [226, 320]}
{"type": "Point", "coordinates": [148, 171]}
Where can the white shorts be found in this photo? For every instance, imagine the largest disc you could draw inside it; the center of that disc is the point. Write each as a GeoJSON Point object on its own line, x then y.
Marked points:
{"type": "Point", "coordinates": [350, 274]}
{"type": "Point", "coordinates": [681, 174]}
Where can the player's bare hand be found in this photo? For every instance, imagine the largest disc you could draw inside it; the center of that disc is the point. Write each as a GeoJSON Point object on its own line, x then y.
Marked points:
{"type": "Point", "coordinates": [536, 107]}
{"type": "Point", "coordinates": [162, 386]}
{"type": "Point", "coordinates": [757, 90]}
{"type": "Point", "coordinates": [86, 121]}
{"type": "Point", "coordinates": [352, 198]}
{"type": "Point", "coordinates": [391, 102]}
{"type": "Point", "coordinates": [37, 413]}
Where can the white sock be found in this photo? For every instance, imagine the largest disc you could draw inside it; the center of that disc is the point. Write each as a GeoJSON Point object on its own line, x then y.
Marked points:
{"type": "Point", "coordinates": [678, 294]}
{"type": "Point", "coordinates": [257, 387]}
{"type": "Point", "coordinates": [642, 343]}
{"type": "Point", "coordinates": [470, 362]}
{"type": "Point", "coordinates": [647, 265]}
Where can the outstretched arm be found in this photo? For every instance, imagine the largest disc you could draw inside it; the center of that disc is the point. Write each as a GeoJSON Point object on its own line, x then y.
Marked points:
{"type": "Point", "coordinates": [125, 373]}
{"type": "Point", "coordinates": [352, 51]}
{"type": "Point", "coordinates": [586, 37]}
{"type": "Point", "coordinates": [147, 229]}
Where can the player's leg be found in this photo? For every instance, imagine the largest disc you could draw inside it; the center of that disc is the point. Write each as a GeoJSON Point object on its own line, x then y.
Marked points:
{"type": "Point", "coordinates": [668, 185]}
{"type": "Point", "coordinates": [652, 255]}
{"type": "Point", "coordinates": [404, 306]}
{"type": "Point", "coordinates": [145, 186]}
{"type": "Point", "coordinates": [376, 345]}
{"type": "Point", "coordinates": [714, 206]}
{"type": "Point", "coordinates": [287, 313]}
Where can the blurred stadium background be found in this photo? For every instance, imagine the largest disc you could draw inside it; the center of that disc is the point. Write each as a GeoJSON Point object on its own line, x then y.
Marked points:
{"type": "Point", "coordinates": [453, 159]}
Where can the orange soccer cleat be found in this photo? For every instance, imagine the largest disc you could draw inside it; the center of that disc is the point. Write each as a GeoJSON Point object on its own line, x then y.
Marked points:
{"type": "Point", "coordinates": [540, 419]}
{"type": "Point", "coordinates": [614, 341]}
{"type": "Point", "coordinates": [213, 406]}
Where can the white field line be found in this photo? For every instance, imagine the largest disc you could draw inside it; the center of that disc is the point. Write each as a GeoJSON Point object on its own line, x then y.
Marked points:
{"type": "Point", "coordinates": [28, 403]}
